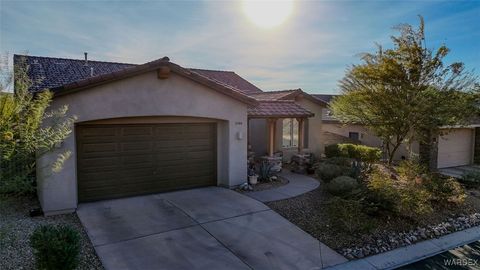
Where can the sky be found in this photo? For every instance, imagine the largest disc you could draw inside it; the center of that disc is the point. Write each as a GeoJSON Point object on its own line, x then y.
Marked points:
{"type": "Point", "coordinates": [311, 49]}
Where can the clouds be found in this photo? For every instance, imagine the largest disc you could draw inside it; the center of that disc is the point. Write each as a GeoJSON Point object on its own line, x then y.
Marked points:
{"type": "Point", "coordinates": [311, 50]}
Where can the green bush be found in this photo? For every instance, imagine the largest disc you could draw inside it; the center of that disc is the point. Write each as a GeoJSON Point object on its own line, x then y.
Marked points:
{"type": "Point", "coordinates": [471, 179]}
{"type": "Point", "coordinates": [17, 185]}
{"type": "Point", "coordinates": [362, 153]}
{"type": "Point", "coordinates": [55, 247]}
{"type": "Point", "coordinates": [381, 190]}
{"type": "Point", "coordinates": [348, 215]}
{"type": "Point", "coordinates": [332, 151]}
{"type": "Point", "coordinates": [340, 161]}
{"type": "Point", "coordinates": [445, 189]}
{"type": "Point", "coordinates": [327, 172]}
{"type": "Point", "coordinates": [265, 171]}
{"type": "Point", "coordinates": [342, 185]}
{"type": "Point", "coordinates": [411, 169]}
{"type": "Point", "coordinates": [413, 200]}
{"type": "Point", "coordinates": [402, 195]}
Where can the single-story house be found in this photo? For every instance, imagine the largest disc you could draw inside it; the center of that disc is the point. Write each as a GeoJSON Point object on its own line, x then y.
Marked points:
{"type": "Point", "coordinates": [159, 127]}
{"type": "Point", "coordinates": [457, 146]}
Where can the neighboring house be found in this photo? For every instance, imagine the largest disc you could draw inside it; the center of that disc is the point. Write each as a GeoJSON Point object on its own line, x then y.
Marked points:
{"type": "Point", "coordinates": [159, 127]}
{"type": "Point", "coordinates": [456, 146]}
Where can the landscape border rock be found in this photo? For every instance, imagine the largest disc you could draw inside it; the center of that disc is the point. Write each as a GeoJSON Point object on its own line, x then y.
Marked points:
{"type": "Point", "coordinates": [386, 240]}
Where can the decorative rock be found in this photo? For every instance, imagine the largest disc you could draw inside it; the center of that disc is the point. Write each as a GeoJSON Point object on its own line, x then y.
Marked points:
{"type": "Point", "coordinates": [384, 240]}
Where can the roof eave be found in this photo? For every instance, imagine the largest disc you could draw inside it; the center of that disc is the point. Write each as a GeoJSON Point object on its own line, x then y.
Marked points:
{"type": "Point", "coordinates": [150, 66]}
{"type": "Point", "coordinates": [283, 116]}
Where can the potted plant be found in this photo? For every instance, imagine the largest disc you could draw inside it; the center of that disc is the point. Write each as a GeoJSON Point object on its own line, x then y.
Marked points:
{"type": "Point", "coordinates": [252, 176]}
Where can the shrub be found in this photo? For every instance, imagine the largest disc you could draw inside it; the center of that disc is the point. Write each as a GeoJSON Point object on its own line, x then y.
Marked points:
{"type": "Point", "coordinates": [413, 200]}
{"type": "Point", "coordinates": [18, 185]}
{"type": "Point", "coordinates": [332, 151]}
{"type": "Point", "coordinates": [411, 169]}
{"type": "Point", "coordinates": [340, 161]}
{"type": "Point", "coordinates": [265, 171]}
{"type": "Point", "coordinates": [445, 189]}
{"type": "Point", "coordinates": [28, 127]}
{"type": "Point", "coordinates": [348, 215]}
{"type": "Point", "coordinates": [362, 153]}
{"type": "Point", "coordinates": [381, 190]}
{"type": "Point", "coordinates": [55, 247]}
{"type": "Point", "coordinates": [410, 190]}
{"type": "Point", "coordinates": [327, 172]}
{"type": "Point", "coordinates": [471, 179]}
{"type": "Point", "coordinates": [342, 185]}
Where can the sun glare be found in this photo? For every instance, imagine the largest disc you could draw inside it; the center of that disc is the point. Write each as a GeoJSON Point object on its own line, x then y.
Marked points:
{"type": "Point", "coordinates": [268, 13]}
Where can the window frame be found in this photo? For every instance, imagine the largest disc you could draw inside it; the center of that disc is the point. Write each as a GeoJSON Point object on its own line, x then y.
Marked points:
{"type": "Point", "coordinates": [293, 142]}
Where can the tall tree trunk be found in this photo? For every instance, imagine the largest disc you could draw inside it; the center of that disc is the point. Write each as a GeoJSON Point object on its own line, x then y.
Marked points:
{"type": "Point", "coordinates": [428, 150]}
{"type": "Point", "coordinates": [391, 155]}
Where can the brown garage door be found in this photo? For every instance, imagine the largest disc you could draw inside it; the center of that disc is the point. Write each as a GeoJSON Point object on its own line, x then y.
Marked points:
{"type": "Point", "coordinates": [123, 160]}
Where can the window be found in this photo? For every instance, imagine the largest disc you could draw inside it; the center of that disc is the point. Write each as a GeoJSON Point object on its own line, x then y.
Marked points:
{"type": "Point", "coordinates": [290, 132]}
{"type": "Point", "coordinates": [354, 136]}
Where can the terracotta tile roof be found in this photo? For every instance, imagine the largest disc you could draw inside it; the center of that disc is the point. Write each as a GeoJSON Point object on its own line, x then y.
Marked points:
{"type": "Point", "coordinates": [229, 77]}
{"type": "Point", "coordinates": [51, 72]}
{"type": "Point", "coordinates": [278, 108]}
{"type": "Point", "coordinates": [151, 66]}
{"type": "Point", "coordinates": [275, 95]}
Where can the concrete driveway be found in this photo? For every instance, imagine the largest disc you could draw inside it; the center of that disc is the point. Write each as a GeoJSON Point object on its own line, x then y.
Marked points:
{"type": "Point", "coordinates": [459, 171]}
{"type": "Point", "coordinates": [205, 228]}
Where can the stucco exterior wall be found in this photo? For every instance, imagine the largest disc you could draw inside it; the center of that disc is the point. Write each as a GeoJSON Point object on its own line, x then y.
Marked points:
{"type": "Point", "coordinates": [366, 138]}
{"type": "Point", "coordinates": [141, 96]}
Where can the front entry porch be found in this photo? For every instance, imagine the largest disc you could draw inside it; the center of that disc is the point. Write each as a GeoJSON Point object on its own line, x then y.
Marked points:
{"type": "Point", "coordinates": [275, 127]}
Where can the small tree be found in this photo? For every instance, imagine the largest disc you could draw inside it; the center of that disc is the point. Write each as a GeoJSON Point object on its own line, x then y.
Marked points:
{"type": "Point", "coordinates": [406, 93]}
{"type": "Point", "coordinates": [26, 130]}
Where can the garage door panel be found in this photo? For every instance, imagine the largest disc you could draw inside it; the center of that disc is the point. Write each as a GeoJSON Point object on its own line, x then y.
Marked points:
{"type": "Point", "coordinates": [455, 148]}
{"type": "Point", "coordinates": [98, 132]}
{"type": "Point", "coordinates": [172, 144]}
{"type": "Point", "coordinates": [136, 146]}
{"type": "Point", "coordinates": [123, 160]}
{"type": "Point", "coordinates": [134, 160]}
{"type": "Point", "coordinates": [99, 163]}
{"type": "Point", "coordinates": [133, 131]}
{"type": "Point", "coordinates": [89, 148]}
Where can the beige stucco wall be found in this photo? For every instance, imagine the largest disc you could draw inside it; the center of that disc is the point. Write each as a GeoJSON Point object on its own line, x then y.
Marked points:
{"type": "Point", "coordinates": [366, 137]}
{"type": "Point", "coordinates": [140, 96]}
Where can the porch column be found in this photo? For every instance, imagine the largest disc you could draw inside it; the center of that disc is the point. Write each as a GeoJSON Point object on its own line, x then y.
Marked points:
{"type": "Point", "coordinates": [271, 135]}
{"type": "Point", "coordinates": [301, 127]}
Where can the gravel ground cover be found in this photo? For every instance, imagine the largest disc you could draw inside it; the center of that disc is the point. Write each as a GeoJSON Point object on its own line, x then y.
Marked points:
{"type": "Point", "coordinates": [309, 212]}
{"type": "Point", "coordinates": [16, 226]}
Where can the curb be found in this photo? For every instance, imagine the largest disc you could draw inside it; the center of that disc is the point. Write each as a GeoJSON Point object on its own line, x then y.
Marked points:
{"type": "Point", "coordinates": [409, 254]}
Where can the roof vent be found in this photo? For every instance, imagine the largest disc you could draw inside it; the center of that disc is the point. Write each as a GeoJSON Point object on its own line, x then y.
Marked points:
{"type": "Point", "coordinates": [86, 58]}
{"type": "Point", "coordinates": [91, 71]}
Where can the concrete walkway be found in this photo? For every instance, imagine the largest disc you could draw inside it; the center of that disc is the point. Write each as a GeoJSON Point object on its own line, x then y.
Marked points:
{"type": "Point", "coordinates": [413, 253]}
{"type": "Point", "coordinates": [298, 184]}
{"type": "Point", "coordinates": [457, 172]}
{"type": "Point", "coordinates": [204, 228]}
